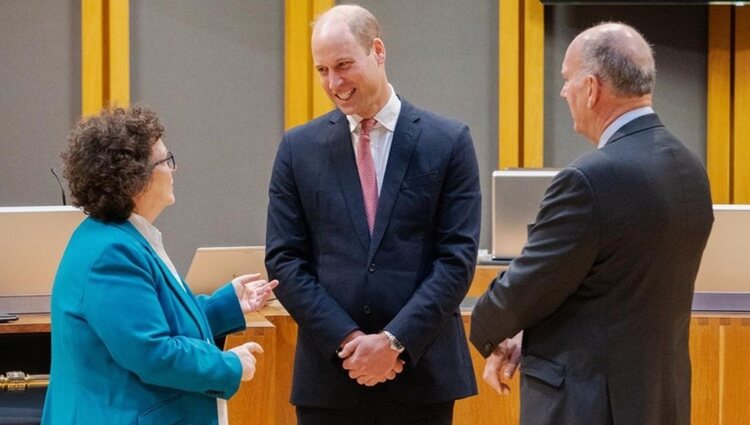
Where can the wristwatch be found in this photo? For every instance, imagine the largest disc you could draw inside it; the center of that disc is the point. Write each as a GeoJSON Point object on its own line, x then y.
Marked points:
{"type": "Point", "coordinates": [395, 343]}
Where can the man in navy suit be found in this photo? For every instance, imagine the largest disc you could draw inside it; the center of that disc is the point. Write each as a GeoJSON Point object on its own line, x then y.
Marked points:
{"type": "Point", "coordinates": [604, 286]}
{"type": "Point", "coordinates": [372, 233]}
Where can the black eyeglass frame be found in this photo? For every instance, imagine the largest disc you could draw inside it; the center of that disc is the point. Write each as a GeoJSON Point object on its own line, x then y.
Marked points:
{"type": "Point", "coordinates": [169, 160]}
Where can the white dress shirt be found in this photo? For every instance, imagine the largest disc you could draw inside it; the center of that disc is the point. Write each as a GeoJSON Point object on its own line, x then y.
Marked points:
{"type": "Point", "coordinates": [153, 237]}
{"type": "Point", "coordinates": [381, 135]}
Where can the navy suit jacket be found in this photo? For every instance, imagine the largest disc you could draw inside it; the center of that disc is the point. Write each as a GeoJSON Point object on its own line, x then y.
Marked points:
{"type": "Point", "coordinates": [408, 278]}
{"type": "Point", "coordinates": [129, 344]}
{"type": "Point", "coordinates": [604, 286]}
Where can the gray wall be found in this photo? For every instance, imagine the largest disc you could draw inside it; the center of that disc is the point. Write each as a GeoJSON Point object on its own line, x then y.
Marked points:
{"type": "Point", "coordinates": [40, 95]}
{"type": "Point", "coordinates": [214, 73]}
{"type": "Point", "coordinates": [442, 56]}
{"type": "Point", "coordinates": [679, 38]}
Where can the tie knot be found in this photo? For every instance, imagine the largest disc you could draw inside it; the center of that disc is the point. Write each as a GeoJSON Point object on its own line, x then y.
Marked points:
{"type": "Point", "coordinates": [365, 126]}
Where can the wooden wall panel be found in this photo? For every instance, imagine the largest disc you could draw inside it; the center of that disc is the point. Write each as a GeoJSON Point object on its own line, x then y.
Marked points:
{"type": "Point", "coordinates": [533, 84]}
{"type": "Point", "coordinates": [509, 95]}
{"type": "Point", "coordinates": [92, 56]}
{"type": "Point", "coordinates": [741, 113]}
{"type": "Point", "coordinates": [718, 122]}
{"type": "Point", "coordinates": [304, 98]}
{"type": "Point", "coordinates": [105, 54]}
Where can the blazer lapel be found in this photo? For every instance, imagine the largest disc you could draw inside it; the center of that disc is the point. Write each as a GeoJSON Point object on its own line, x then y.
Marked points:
{"type": "Point", "coordinates": [404, 141]}
{"type": "Point", "coordinates": [183, 295]}
{"type": "Point", "coordinates": [342, 155]}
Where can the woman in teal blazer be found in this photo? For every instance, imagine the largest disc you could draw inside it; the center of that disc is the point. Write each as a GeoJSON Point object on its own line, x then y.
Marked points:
{"type": "Point", "coordinates": [130, 342]}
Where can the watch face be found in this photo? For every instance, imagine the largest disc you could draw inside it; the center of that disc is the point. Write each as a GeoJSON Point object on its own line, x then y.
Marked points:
{"type": "Point", "coordinates": [395, 344]}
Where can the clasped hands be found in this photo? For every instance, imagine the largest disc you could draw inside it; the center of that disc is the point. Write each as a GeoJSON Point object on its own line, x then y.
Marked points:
{"type": "Point", "coordinates": [369, 359]}
{"type": "Point", "coordinates": [502, 364]}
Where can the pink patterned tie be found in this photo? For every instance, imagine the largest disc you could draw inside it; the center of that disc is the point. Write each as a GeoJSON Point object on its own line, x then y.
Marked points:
{"type": "Point", "coordinates": [367, 175]}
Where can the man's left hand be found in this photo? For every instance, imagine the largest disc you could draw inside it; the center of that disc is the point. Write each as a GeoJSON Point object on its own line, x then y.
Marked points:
{"type": "Point", "coordinates": [370, 359]}
{"type": "Point", "coordinates": [502, 364]}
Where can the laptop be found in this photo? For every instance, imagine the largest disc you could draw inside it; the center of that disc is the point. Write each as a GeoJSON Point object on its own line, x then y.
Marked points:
{"type": "Point", "coordinates": [723, 281]}
{"type": "Point", "coordinates": [212, 267]}
{"type": "Point", "coordinates": [32, 243]}
{"type": "Point", "coordinates": [516, 197]}
{"type": "Point", "coordinates": [724, 263]}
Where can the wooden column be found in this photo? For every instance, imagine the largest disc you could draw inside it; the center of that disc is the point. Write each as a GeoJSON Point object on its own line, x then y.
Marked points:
{"type": "Point", "coordinates": [521, 84]}
{"type": "Point", "coordinates": [304, 99]}
{"type": "Point", "coordinates": [728, 93]}
{"type": "Point", "coordinates": [105, 54]}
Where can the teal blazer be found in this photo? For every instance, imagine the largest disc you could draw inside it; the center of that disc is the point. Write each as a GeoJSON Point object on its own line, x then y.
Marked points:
{"type": "Point", "coordinates": [129, 344]}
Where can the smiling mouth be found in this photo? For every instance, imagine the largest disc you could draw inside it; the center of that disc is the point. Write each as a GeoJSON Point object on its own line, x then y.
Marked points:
{"type": "Point", "coordinates": [345, 95]}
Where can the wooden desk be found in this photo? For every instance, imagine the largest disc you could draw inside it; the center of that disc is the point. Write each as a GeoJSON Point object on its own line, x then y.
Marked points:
{"type": "Point", "coordinates": [719, 349]}
{"type": "Point", "coordinates": [27, 323]}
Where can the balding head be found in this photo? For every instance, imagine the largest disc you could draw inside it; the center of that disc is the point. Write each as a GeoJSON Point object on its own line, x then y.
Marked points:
{"type": "Point", "coordinates": [362, 24]}
{"type": "Point", "coordinates": [618, 55]}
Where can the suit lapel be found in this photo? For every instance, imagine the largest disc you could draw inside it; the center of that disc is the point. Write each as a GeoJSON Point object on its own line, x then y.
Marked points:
{"type": "Point", "coordinates": [404, 140]}
{"type": "Point", "coordinates": [183, 295]}
{"type": "Point", "coordinates": [344, 162]}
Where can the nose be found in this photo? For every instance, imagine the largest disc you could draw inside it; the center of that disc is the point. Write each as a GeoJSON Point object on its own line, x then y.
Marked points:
{"type": "Point", "coordinates": [334, 81]}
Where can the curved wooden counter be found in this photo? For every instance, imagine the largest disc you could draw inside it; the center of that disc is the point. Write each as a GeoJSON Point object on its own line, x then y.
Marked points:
{"type": "Point", "coordinates": [719, 349]}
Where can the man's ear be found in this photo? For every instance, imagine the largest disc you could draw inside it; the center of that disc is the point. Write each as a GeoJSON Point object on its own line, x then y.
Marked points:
{"type": "Point", "coordinates": [379, 49]}
{"type": "Point", "coordinates": [594, 91]}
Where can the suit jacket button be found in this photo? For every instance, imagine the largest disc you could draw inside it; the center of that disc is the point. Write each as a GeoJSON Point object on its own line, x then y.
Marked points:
{"type": "Point", "coordinates": [366, 308]}
{"type": "Point", "coordinates": [488, 347]}
{"type": "Point", "coordinates": [372, 268]}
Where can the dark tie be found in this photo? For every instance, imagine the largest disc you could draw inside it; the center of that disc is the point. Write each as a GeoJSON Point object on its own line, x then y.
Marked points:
{"type": "Point", "coordinates": [368, 177]}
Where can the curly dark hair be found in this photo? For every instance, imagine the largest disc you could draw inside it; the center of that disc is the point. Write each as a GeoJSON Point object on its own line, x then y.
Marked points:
{"type": "Point", "coordinates": [107, 162]}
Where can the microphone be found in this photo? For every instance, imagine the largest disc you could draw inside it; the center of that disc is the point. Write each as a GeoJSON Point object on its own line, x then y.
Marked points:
{"type": "Point", "coordinates": [54, 173]}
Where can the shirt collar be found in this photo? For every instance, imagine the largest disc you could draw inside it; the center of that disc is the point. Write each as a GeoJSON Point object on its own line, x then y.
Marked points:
{"type": "Point", "coordinates": [146, 229]}
{"type": "Point", "coordinates": [387, 117]}
{"type": "Point", "coordinates": [621, 121]}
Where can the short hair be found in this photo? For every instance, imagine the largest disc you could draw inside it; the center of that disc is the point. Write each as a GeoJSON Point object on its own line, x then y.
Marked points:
{"type": "Point", "coordinates": [609, 59]}
{"type": "Point", "coordinates": [362, 24]}
{"type": "Point", "coordinates": [107, 160]}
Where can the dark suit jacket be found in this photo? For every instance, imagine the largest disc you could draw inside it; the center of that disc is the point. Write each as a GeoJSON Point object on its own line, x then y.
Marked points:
{"type": "Point", "coordinates": [604, 286]}
{"type": "Point", "coordinates": [409, 278]}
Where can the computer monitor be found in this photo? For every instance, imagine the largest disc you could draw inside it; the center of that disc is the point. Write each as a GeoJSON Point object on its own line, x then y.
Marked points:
{"type": "Point", "coordinates": [213, 267]}
{"type": "Point", "coordinates": [516, 198]}
{"type": "Point", "coordinates": [32, 241]}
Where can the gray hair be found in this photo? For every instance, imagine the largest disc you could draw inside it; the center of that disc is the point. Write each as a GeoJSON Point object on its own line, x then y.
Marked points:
{"type": "Point", "coordinates": [628, 66]}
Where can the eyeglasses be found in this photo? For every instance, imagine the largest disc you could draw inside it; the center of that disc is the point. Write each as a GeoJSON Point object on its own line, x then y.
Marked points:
{"type": "Point", "coordinates": [169, 160]}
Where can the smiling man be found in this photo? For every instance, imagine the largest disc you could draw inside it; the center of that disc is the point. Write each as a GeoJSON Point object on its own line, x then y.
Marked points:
{"type": "Point", "coordinates": [373, 224]}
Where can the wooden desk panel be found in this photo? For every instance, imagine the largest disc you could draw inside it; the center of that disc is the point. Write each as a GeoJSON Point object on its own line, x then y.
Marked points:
{"type": "Point", "coordinates": [254, 403]}
{"type": "Point", "coordinates": [483, 276]}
